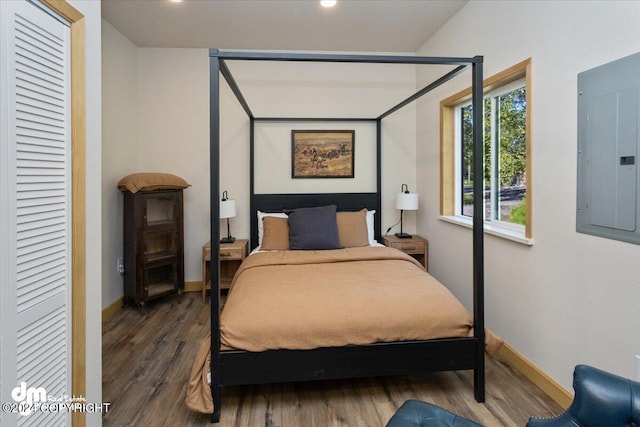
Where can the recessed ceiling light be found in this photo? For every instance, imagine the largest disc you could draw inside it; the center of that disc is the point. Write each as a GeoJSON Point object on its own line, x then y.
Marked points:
{"type": "Point", "coordinates": [175, 1]}
{"type": "Point", "coordinates": [328, 3]}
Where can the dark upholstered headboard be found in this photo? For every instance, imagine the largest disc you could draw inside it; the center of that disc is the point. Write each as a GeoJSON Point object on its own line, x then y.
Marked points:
{"type": "Point", "coordinates": [344, 202]}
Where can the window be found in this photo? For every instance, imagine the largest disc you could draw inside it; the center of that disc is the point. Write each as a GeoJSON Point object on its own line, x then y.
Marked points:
{"type": "Point", "coordinates": [507, 165]}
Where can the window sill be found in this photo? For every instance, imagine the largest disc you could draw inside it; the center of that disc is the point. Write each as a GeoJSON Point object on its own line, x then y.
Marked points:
{"type": "Point", "coordinates": [492, 229]}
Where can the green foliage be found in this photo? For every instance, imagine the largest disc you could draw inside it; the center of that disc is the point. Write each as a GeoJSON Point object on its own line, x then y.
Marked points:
{"type": "Point", "coordinates": [518, 213]}
{"type": "Point", "coordinates": [510, 136]}
{"type": "Point", "coordinates": [504, 130]}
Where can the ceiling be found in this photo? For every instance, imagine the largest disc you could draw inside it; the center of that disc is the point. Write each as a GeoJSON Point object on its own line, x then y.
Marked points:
{"type": "Point", "coordinates": [352, 25]}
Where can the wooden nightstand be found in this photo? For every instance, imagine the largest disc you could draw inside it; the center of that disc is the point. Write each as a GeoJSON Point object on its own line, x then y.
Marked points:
{"type": "Point", "coordinates": [231, 256]}
{"type": "Point", "coordinates": [416, 246]}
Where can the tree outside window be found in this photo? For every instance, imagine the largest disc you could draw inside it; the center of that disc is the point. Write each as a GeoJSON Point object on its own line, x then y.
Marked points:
{"type": "Point", "coordinates": [504, 156]}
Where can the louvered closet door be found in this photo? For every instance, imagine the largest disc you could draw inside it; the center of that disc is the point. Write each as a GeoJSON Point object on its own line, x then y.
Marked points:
{"type": "Point", "coordinates": [36, 208]}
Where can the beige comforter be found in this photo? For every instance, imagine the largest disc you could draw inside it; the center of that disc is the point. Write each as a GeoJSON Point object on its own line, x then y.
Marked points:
{"type": "Point", "coordinates": [311, 299]}
{"type": "Point", "coordinates": [308, 299]}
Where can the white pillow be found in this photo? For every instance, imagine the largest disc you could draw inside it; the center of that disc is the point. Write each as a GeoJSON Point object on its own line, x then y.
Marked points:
{"type": "Point", "coordinates": [261, 225]}
{"type": "Point", "coordinates": [370, 228]}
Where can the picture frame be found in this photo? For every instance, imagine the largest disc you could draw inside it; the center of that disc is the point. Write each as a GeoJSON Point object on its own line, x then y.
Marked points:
{"type": "Point", "coordinates": [322, 153]}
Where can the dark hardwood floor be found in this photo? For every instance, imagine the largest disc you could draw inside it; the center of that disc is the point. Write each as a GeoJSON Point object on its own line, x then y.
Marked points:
{"type": "Point", "coordinates": [147, 358]}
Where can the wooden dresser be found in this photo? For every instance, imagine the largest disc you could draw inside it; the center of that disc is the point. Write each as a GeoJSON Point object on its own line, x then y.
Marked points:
{"type": "Point", "coordinates": [153, 244]}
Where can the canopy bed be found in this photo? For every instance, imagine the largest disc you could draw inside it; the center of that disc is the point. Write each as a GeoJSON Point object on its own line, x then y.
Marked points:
{"type": "Point", "coordinates": [238, 364]}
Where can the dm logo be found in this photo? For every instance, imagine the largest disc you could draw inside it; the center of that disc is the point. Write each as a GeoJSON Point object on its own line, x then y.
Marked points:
{"type": "Point", "coordinates": [29, 395]}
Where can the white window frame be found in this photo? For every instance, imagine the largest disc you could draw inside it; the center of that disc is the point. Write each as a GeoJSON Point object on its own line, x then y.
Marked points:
{"type": "Point", "coordinates": [492, 95]}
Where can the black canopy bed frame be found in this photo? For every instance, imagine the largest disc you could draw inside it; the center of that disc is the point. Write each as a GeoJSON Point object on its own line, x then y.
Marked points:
{"type": "Point", "coordinates": [238, 367]}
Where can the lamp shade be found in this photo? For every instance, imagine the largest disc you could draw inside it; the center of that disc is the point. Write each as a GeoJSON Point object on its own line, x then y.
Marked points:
{"type": "Point", "coordinates": [407, 201]}
{"type": "Point", "coordinates": [227, 208]}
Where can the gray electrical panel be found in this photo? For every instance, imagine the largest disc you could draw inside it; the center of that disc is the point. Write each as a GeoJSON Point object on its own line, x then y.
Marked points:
{"type": "Point", "coordinates": [608, 142]}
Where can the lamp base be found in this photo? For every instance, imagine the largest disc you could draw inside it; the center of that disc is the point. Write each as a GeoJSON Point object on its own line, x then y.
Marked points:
{"type": "Point", "coordinates": [228, 240]}
{"type": "Point", "coordinates": [403, 235]}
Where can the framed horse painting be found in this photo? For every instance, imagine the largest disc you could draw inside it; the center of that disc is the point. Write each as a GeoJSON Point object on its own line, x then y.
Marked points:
{"type": "Point", "coordinates": [322, 153]}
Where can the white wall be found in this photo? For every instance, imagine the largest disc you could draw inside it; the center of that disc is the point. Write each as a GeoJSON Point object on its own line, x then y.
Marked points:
{"type": "Point", "coordinates": [277, 89]}
{"type": "Point", "coordinates": [398, 167]}
{"type": "Point", "coordinates": [173, 134]}
{"type": "Point", "coordinates": [167, 110]}
{"type": "Point", "coordinates": [273, 148]}
{"type": "Point", "coordinates": [119, 137]}
{"type": "Point", "coordinates": [571, 298]}
{"type": "Point", "coordinates": [234, 162]}
{"type": "Point", "coordinates": [91, 12]}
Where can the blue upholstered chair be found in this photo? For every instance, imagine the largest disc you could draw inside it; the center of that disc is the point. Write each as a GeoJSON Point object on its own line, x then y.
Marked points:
{"type": "Point", "coordinates": [414, 413]}
{"type": "Point", "coordinates": [601, 400]}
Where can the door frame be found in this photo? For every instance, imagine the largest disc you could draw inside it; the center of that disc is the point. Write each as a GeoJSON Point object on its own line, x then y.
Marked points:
{"type": "Point", "coordinates": [76, 21]}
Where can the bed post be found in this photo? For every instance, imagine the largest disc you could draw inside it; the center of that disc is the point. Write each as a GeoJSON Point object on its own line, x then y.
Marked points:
{"type": "Point", "coordinates": [253, 220]}
{"type": "Point", "coordinates": [214, 166]}
{"type": "Point", "coordinates": [378, 218]}
{"type": "Point", "coordinates": [478, 229]}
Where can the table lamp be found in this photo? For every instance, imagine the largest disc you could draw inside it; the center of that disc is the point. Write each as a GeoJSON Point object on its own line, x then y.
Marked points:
{"type": "Point", "coordinates": [227, 210]}
{"type": "Point", "coordinates": [405, 201]}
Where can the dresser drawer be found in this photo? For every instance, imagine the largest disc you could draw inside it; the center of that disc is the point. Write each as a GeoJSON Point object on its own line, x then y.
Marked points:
{"type": "Point", "coordinates": [414, 247]}
{"type": "Point", "coordinates": [231, 253]}
{"type": "Point", "coordinates": [227, 251]}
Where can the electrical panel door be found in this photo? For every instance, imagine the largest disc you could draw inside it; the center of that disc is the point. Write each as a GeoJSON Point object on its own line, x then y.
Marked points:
{"type": "Point", "coordinates": [608, 141]}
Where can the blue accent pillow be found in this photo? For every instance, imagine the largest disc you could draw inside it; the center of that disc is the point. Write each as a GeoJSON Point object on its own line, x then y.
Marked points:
{"type": "Point", "coordinates": [313, 228]}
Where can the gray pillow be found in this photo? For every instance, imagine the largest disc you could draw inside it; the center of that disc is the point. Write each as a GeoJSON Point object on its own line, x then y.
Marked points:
{"type": "Point", "coordinates": [313, 228]}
